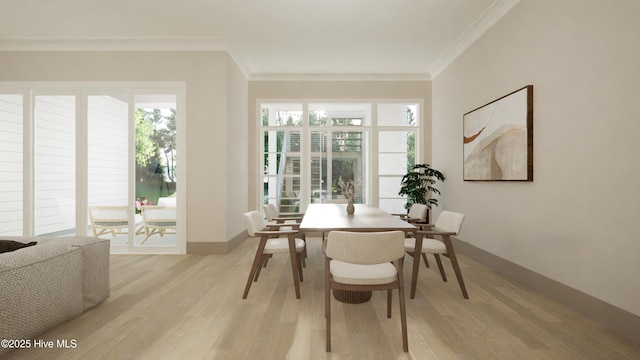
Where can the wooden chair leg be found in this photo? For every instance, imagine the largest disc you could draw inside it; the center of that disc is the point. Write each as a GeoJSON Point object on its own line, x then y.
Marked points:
{"type": "Point", "coordinates": [327, 304]}
{"type": "Point", "coordinates": [451, 254]}
{"type": "Point", "coordinates": [426, 262]}
{"type": "Point", "coordinates": [439, 261]}
{"type": "Point", "coordinates": [403, 310]}
{"type": "Point", "coordinates": [257, 262]}
{"type": "Point", "coordinates": [294, 264]}
{"type": "Point", "coordinates": [456, 269]}
{"type": "Point", "coordinates": [416, 265]}
{"type": "Point", "coordinates": [304, 255]}
{"type": "Point", "coordinates": [263, 262]}
{"type": "Point", "coordinates": [389, 303]}
{"type": "Point", "coordinates": [300, 261]}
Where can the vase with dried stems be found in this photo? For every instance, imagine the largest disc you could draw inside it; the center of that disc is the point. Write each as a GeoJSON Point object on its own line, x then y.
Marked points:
{"type": "Point", "coordinates": [348, 188]}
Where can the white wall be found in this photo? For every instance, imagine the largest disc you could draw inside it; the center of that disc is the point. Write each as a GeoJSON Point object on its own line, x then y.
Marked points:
{"type": "Point", "coordinates": [237, 147]}
{"type": "Point", "coordinates": [578, 222]}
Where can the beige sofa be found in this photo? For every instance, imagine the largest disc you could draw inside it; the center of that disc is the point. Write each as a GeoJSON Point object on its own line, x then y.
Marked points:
{"type": "Point", "coordinates": [48, 283]}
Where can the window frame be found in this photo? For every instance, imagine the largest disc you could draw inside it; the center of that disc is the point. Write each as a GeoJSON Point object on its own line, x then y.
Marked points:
{"type": "Point", "coordinates": [372, 129]}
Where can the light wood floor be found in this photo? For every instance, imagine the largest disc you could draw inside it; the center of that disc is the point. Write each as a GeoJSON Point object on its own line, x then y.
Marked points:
{"type": "Point", "coordinates": [190, 307]}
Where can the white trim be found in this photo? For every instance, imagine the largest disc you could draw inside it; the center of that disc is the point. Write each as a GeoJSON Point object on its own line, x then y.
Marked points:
{"type": "Point", "coordinates": [494, 13]}
{"type": "Point", "coordinates": [340, 77]}
{"type": "Point", "coordinates": [113, 44]}
{"type": "Point", "coordinates": [128, 44]}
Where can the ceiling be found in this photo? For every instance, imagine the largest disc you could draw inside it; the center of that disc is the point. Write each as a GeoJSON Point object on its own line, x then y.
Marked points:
{"type": "Point", "coordinates": [267, 39]}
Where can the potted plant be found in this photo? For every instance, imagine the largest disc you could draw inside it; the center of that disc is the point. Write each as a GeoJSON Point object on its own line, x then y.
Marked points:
{"type": "Point", "coordinates": [418, 185]}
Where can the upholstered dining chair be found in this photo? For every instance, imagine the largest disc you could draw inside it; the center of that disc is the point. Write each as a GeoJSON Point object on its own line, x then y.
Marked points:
{"type": "Point", "coordinates": [274, 216]}
{"type": "Point", "coordinates": [361, 261]}
{"type": "Point", "coordinates": [447, 225]}
{"type": "Point", "coordinates": [271, 242]}
{"type": "Point", "coordinates": [417, 214]}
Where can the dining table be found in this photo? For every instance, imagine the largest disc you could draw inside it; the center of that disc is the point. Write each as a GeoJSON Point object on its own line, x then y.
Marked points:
{"type": "Point", "coordinates": [369, 218]}
{"type": "Point", "coordinates": [324, 218]}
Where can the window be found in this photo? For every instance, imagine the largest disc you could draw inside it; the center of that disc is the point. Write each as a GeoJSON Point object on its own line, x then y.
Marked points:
{"type": "Point", "coordinates": [11, 172]}
{"type": "Point", "coordinates": [398, 129]}
{"type": "Point", "coordinates": [308, 146]}
{"type": "Point", "coordinates": [66, 148]}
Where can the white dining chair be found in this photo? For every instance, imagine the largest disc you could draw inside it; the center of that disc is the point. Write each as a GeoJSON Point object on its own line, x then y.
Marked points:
{"type": "Point", "coordinates": [271, 242]}
{"type": "Point", "coordinates": [362, 261]}
{"type": "Point", "coordinates": [448, 224]}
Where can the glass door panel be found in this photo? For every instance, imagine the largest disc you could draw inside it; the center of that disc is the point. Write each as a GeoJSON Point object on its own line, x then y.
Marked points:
{"type": "Point", "coordinates": [282, 169]}
{"type": "Point", "coordinates": [346, 154]}
{"type": "Point", "coordinates": [108, 168]}
{"type": "Point", "coordinates": [347, 162]}
{"type": "Point", "coordinates": [338, 148]}
{"type": "Point", "coordinates": [55, 165]}
{"type": "Point", "coordinates": [156, 170]}
{"type": "Point", "coordinates": [11, 173]}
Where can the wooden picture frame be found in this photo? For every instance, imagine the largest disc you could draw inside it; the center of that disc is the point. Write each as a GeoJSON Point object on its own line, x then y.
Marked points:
{"type": "Point", "coordinates": [498, 139]}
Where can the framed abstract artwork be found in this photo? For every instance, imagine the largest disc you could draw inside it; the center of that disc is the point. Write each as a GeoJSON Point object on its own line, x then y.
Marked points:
{"type": "Point", "coordinates": [498, 139]}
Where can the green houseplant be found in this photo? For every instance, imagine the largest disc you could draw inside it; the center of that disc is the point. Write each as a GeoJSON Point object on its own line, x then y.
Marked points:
{"type": "Point", "coordinates": [418, 185]}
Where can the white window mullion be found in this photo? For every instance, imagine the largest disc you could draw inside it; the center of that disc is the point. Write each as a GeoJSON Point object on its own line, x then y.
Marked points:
{"type": "Point", "coordinates": [132, 172]}
{"type": "Point", "coordinates": [81, 164]}
{"type": "Point", "coordinates": [373, 153]}
{"type": "Point", "coordinates": [305, 159]}
{"type": "Point", "coordinates": [28, 168]}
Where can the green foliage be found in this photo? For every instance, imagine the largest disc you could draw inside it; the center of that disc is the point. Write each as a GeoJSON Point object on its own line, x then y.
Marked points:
{"type": "Point", "coordinates": [145, 146]}
{"type": "Point", "coordinates": [418, 185]}
{"type": "Point", "coordinates": [155, 138]}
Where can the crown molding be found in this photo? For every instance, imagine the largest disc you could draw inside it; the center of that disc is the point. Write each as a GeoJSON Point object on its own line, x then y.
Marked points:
{"type": "Point", "coordinates": [494, 13]}
{"type": "Point", "coordinates": [113, 44]}
{"type": "Point", "coordinates": [127, 44]}
{"type": "Point", "coordinates": [340, 77]}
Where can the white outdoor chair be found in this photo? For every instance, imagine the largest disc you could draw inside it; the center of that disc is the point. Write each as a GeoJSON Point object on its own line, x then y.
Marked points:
{"type": "Point", "coordinates": [361, 261]}
{"type": "Point", "coordinates": [110, 219]}
{"type": "Point", "coordinates": [158, 220]}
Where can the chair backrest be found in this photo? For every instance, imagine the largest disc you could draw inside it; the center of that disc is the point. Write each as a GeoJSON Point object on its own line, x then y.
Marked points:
{"type": "Point", "coordinates": [450, 221]}
{"type": "Point", "coordinates": [169, 201]}
{"type": "Point", "coordinates": [155, 213]}
{"type": "Point", "coordinates": [365, 248]}
{"type": "Point", "coordinates": [418, 211]}
{"type": "Point", "coordinates": [111, 214]}
{"type": "Point", "coordinates": [270, 211]}
{"type": "Point", "coordinates": [254, 222]}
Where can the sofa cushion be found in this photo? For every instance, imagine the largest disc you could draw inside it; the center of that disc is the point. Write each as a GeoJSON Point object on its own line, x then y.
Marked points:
{"type": "Point", "coordinates": [10, 245]}
{"type": "Point", "coordinates": [41, 288]}
{"type": "Point", "coordinates": [95, 265]}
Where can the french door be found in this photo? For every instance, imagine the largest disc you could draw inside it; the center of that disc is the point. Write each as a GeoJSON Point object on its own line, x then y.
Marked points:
{"type": "Point", "coordinates": [76, 158]}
